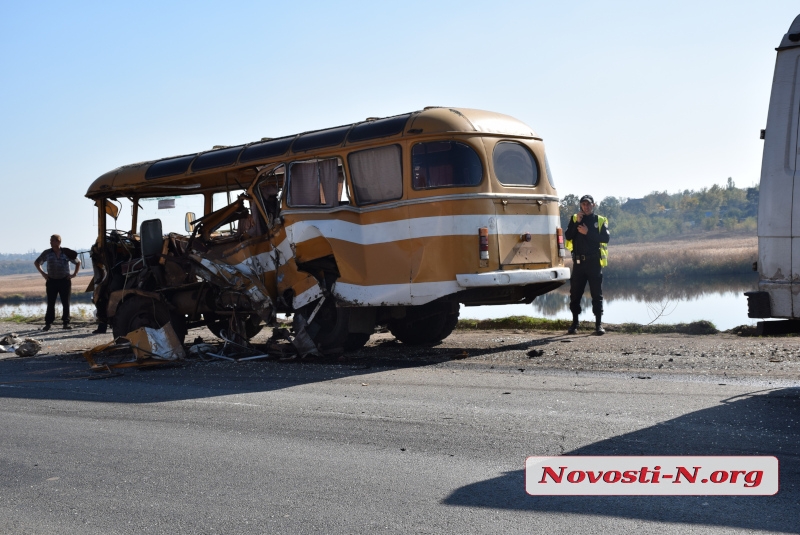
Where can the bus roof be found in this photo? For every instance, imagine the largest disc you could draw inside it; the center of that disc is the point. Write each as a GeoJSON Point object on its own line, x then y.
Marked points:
{"type": "Point", "coordinates": [203, 170]}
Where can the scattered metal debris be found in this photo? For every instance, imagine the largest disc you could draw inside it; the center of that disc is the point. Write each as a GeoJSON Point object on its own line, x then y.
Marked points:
{"type": "Point", "coordinates": [162, 344]}
{"type": "Point", "coordinates": [236, 349]}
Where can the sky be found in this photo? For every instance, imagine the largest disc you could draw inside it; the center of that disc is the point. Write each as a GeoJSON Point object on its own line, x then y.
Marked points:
{"type": "Point", "coordinates": [629, 97]}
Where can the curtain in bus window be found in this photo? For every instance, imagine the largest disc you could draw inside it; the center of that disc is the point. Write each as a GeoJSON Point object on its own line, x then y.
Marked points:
{"type": "Point", "coordinates": [304, 184]}
{"type": "Point", "coordinates": [377, 174]}
{"type": "Point", "coordinates": [314, 183]}
{"type": "Point", "coordinates": [329, 182]}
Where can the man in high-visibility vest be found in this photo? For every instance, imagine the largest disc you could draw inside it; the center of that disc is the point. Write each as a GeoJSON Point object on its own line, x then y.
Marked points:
{"type": "Point", "coordinates": [587, 238]}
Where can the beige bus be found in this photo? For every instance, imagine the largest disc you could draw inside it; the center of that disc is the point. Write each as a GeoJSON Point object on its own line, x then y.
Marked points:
{"type": "Point", "coordinates": [390, 222]}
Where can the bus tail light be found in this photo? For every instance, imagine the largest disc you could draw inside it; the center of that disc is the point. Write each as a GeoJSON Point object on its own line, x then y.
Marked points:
{"type": "Point", "coordinates": [562, 251]}
{"type": "Point", "coordinates": [483, 241]}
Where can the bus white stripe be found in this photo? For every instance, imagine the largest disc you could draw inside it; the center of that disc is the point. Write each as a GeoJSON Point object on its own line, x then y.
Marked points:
{"type": "Point", "coordinates": [423, 227]}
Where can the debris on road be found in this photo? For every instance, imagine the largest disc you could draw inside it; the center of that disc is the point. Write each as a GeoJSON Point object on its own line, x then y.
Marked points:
{"type": "Point", "coordinates": [28, 348]}
{"type": "Point", "coordinates": [11, 343]}
{"type": "Point", "coordinates": [146, 345]}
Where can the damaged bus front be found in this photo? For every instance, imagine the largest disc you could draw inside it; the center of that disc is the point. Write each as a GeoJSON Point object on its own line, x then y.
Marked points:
{"type": "Point", "coordinates": [389, 222]}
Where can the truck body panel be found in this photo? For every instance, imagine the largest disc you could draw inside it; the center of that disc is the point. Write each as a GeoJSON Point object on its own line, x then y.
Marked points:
{"type": "Point", "coordinates": [778, 265]}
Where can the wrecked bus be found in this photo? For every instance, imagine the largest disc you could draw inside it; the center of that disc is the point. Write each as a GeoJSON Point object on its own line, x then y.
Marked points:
{"type": "Point", "coordinates": [389, 222]}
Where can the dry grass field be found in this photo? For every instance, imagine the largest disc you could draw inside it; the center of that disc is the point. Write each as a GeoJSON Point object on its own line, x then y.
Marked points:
{"type": "Point", "coordinates": [707, 256]}
{"type": "Point", "coordinates": [31, 286]}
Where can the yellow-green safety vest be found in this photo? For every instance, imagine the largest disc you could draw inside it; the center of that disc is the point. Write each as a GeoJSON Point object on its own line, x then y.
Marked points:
{"type": "Point", "coordinates": [603, 246]}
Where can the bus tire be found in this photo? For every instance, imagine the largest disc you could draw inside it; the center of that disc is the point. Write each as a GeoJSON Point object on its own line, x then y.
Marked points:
{"type": "Point", "coordinates": [138, 311]}
{"type": "Point", "coordinates": [426, 330]}
{"type": "Point", "coordinates": [329, 329]}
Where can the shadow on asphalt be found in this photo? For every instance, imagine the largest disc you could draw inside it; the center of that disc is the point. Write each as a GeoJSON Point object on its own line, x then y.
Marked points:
{"type": "Point", "coordinates": [68, 377]}
{"type": "Point", "coordinates": [763, 423]}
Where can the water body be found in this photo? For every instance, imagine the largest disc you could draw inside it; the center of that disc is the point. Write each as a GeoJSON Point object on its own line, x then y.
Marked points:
{"type": "Point", "coordinates": [720, 301]}
{"type": "Point", "coordinates": [77, 311]}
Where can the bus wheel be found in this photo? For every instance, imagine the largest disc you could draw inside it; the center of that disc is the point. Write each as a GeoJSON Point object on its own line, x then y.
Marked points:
{"type": "Point", "coordinates": [424, 328]}
{"type": "Point", "coordinates": [328, 329]}
{"type": "Point", "coordinates": [216, 324]}
{"type": "Point", "coordinates": [137, 312]}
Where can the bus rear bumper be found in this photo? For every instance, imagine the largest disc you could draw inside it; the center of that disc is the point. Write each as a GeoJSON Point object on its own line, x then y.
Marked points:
{"type": "Point", "coordinates": [519, 277]}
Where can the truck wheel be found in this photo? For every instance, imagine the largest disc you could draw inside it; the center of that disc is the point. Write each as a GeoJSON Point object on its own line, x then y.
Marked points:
{"type": "Point", "coordinates": [137, 311]}
{"type": "Point", "coordinates": [419, 328]}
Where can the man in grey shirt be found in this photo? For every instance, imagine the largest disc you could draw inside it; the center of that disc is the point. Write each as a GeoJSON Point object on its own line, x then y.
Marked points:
{"type": "Point", "coordinates": [58, 277]}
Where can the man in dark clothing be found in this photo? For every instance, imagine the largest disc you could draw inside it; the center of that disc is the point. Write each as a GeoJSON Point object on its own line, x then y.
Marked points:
{"type": "Point", "coordinates": [587, 238]}
{"type": "Point", "coordinates": [58, 277]}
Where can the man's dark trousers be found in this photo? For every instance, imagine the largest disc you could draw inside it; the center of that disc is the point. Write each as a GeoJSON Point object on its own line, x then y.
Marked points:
{"type": "Point", "coordinates": [57, 288]}
{"type": "Point", "coordinates": [588, 270]}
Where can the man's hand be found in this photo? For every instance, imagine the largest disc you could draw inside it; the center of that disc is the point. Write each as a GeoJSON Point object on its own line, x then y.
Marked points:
{"type": "Point", "coordinates": [583, 229]}
{"type": "Point", "coordinates": [580, 216]}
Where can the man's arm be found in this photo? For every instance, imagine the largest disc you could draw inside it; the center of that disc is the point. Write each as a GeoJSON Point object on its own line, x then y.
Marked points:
{"type": "Point", "coordinates": [604, 233]}
{"type": "Point", "coordinates": [38, 264]}
{"type": "Point", "coordinates": [73, 257]}
{"type": "Point", "coordinates": [572, 230]}
{"type": "Point", "coordinates": [592, 235]}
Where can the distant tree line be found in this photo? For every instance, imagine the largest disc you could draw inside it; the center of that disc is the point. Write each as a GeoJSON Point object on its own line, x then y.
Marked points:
{"type": "Point", "coordinates": [665, 215]}
{"type": "Point", "coordinates": [22, 263]}
{"type": "Point", "coordinates": [29, 256]}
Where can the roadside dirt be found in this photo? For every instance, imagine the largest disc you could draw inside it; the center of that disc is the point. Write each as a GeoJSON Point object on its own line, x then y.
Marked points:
{"type": "Point", "coordinates": [718, 356]}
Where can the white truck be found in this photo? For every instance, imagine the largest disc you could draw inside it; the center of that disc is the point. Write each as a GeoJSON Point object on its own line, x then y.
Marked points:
{"type": "Point", "coordinates": [778, 294]}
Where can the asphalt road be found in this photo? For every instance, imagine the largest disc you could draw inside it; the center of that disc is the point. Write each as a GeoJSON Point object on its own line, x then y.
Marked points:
{"type": "Point", "coordinates": [369, 446]}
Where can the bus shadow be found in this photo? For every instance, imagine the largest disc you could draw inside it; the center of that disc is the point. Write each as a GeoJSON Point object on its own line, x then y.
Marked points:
{"type": "Point", "coordinates": [761, 423]}
{"type": "Point", "coordinates": [69, 376]}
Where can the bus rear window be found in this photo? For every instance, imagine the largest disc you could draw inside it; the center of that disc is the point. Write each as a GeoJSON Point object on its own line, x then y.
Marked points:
{"type": "Point", "coordinates": [441, 164]}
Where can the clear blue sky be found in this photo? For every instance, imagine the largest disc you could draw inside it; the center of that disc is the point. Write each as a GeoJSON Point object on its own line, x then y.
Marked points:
{"type": "Point", "coordinates": [630, 97]}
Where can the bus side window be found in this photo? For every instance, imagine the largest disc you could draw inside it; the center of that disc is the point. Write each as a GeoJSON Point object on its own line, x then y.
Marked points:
{"type": "Point", "coordinates": [441, 164]}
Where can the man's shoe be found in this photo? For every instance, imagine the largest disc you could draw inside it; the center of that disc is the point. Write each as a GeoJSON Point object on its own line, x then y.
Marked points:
{"type": "Point", "coordinates": [598, 325]}
{"type": "Point", "coordinates": [101, 329]}
{"type": "Point", "coordinates": [599, 331]}
{"type": "Point", "coordinates": [573, 329]}
{"type": "Point", "coordinates": [67, 327]}
{"type": "Point", "coordinates": [46, 327]}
